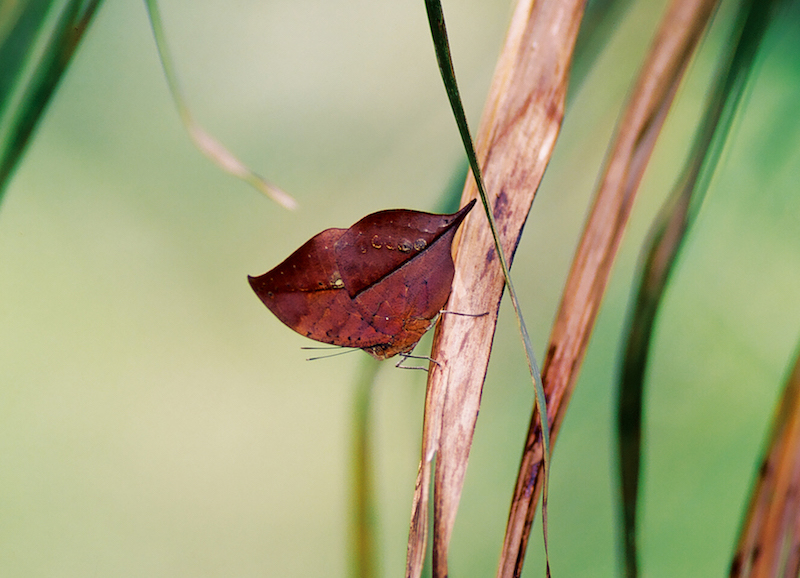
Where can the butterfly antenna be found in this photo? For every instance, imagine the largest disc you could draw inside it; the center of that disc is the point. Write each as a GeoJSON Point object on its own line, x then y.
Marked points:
{"type": "Point", "coordinates": [342, 351]}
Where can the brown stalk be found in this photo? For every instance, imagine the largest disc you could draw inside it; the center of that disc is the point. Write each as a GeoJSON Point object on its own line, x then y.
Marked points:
{"type": "Point", "coordinates": [677, 37]}
{"type": "Point", "coordinates": [769, 544]}
{"type": "Point", "coordinates": [518, 131]}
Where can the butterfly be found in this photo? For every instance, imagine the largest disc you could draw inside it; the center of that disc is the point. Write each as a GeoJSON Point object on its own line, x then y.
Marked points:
{"type": "Point", "coordinates": [376, 286]}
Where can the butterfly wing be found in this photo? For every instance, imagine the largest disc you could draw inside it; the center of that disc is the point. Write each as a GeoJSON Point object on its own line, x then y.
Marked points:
{"type": "Point", "coordinates": [382, 242]}
{"type": "Point", "coordinates": [375, 286]}
{"type": "Point", "coordinates": [306, 292]}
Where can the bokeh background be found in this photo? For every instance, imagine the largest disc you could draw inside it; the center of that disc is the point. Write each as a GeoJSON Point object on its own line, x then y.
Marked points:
{"type": "Point", "coordinates": [156, 420]}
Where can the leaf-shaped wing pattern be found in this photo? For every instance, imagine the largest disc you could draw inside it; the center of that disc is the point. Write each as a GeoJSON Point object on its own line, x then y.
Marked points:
{"type": "Point", "coordinates": [375, 286]}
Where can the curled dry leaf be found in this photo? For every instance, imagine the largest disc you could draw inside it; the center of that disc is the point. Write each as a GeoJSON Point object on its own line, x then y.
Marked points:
{"type": "Point", "coordinates": [376, 286]}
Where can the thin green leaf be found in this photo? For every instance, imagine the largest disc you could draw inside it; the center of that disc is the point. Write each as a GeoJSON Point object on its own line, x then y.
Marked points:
{"type": "Point", "coordinates": [441, 44]}
{"type": "Point", "coordinates": [207, 144]}
{"type": "Point", "coordinates": [363, 532]}
{"type": "Point", "coordinates": [33, 83]}
{"type": "Point", "coordinates": [666, 238]}
{"type": "Point", "coordinates": [21, 26]}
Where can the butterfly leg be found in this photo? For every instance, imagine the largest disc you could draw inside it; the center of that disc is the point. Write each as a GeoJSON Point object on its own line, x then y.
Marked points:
{"type": "Point", "coordinates": [442, 311]}
{"type": "Point", "coordinates": [404, 356]}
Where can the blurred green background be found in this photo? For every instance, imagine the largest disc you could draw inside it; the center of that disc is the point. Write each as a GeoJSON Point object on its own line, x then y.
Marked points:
{"type": "Point", "coordinates": [157, 420]}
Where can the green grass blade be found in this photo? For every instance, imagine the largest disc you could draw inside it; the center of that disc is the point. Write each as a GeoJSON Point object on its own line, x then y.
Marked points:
{"type": "Point", "coordinates": [364, 557]}
{"type": "Point", "coordinates": [666, 238]}
{"type": "Point", "coordinates": [441, 44]}
{"type": "Point", "coordinates": [33, 88]}
{"type": "Point", "coordinates": [21, 27]}
{"type": "Point", "coordinates": [207, 144]}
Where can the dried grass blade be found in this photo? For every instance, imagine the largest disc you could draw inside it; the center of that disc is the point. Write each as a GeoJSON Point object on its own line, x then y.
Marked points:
{"type": "Point", "coordinates": [517, 135]}
{"type": "Point", "coordinates": [679, 33]}
{"type": "Point", "coordinates": [768, 543]}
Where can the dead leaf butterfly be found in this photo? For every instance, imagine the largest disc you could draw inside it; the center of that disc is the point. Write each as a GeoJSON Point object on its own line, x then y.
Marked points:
{"type": "Point", "coordinates": [376, 286]}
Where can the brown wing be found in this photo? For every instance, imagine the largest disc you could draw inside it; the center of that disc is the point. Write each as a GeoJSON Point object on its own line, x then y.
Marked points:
{"type": "Point", "coordinates": [381, 242]}
{"type": "Point", "coordinates": [311, 294]}
{"type": "Point", "coordinates": [403, 303]}
{"type": "Point", "coordinates": [307, 294]}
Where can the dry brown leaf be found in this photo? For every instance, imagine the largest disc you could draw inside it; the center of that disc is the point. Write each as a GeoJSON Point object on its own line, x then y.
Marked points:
{"type": "Point", "coordinates": [769, 542]}
{"type": "Point", "coordinates": [518, 131]}
{"type": "Point", "coordinates": [678, 35]}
